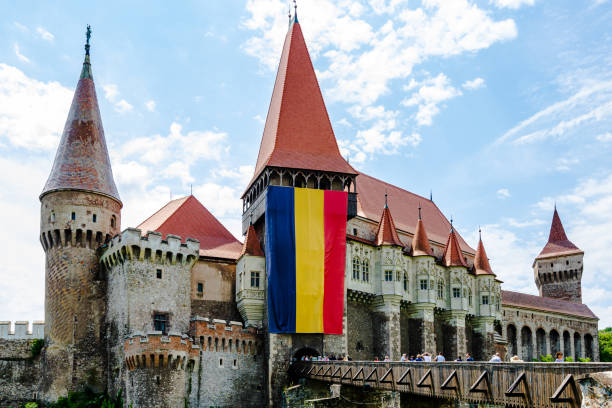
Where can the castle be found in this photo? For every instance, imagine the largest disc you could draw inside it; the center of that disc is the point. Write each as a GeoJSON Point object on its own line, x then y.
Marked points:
{"type": "Point", "coordinates": [174, 311]}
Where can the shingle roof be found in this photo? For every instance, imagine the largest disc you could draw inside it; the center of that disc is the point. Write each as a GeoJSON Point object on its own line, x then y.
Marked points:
{"type": "Point", "coordinates": [481, 262]}
{"type": "Point", "coordinates": [387, 233]}
{"type": "Point", "coordinates": [371, 198]}
{"type": "Point", "coordinates": [81, 161]}
{"type": "Point", "coordinates": [518, 299]}
{"type": "Point", "coordinates": [188, 218]}
{"type": "Point", "coordinates": [251, 244]}
{"type": "Point", "coordinates": [420, 242]}
{"type": "Point", "coordinates": [558, 244]}
{"type": "Point", "coordinates": [452, 253]}
{"type": "Point", "coordinates": [298, 133]}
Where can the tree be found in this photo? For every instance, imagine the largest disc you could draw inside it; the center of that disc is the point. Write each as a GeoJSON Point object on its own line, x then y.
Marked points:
{"type": "Point", "coordinates": [605, 344]}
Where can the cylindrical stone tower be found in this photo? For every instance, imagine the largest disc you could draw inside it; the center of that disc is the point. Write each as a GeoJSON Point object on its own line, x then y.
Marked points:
{"type": "Point", "coordinates": [80, 210]}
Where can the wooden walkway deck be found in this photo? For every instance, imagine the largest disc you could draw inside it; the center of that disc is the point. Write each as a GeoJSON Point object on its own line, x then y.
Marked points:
{"type": "Point", "coordinates": [510, 384]}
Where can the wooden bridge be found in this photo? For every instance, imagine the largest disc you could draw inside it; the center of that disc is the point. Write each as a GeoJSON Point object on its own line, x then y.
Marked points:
{"type": "Point", "coordinates": [510, 384]}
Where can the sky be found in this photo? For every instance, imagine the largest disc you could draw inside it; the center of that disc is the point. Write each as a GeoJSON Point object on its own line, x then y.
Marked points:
{"type": "Point", "coordinates": [498, 108]}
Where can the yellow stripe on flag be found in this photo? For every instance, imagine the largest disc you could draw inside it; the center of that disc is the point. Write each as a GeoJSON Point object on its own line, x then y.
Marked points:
{"type": "Point", "coordinates": [309, 260]}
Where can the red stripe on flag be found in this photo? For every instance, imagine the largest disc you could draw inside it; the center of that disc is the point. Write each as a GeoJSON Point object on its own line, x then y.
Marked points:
{"type": "Point", "coordinates": [334, 213]}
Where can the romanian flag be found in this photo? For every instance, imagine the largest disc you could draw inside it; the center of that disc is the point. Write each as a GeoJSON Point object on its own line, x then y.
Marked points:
{"type": "Point", "coordinates": [305, 258]}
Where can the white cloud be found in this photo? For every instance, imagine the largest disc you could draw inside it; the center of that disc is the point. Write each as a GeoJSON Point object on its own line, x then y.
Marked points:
{"type": "Point", "coordinates": [524, 224]}
{"type": "Point", "coordinates": [512, 4]}
{"type": "Point", "coordinates": [21, 27]}
{"type": "Point", "coordinates": [432, 92]}
{"type": "Point", "coordinates": [590, 106]}
{"type": "Point", "coordinates": [241, 175]}
{"type": "Point", "coordinates": [150, 105]}
{"type": "Point", "coordinates": [259, 119]}
{"type": "Point", "coordinates": [604, 137]}
{"type": "Point", "coordinates": [123, 106]}
{"type": "Point", "coordinates": [473, 84]}
{"type": "Point", "coordinates": [44, 34]}
{"type": "Point", "coordinates": [32, 113]}
{"type": "Point", "coordinates": [565, 164]}
{"type": "Point", "coordinates": [19, 55]}
{"type": "Point", "coordinates": [503, 193]}
{"type": "Point", "coordinates": [111, 93]}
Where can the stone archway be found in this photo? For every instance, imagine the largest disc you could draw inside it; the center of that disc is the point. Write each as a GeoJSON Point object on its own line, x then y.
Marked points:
{"type": "Point", "coordinates": [567, 344]}
{"type": "Point", "coordinates": [540, 343]}
{"type": "Point", "coordinates": [305, 352]}
{"type": "Point", "coordinates": [555, 344]}
{"type": "Point", "coordinates": [588, 346]}
{"type": "Point", "coordinates": [577, 346]}
{"type": "Point", "coordinates": [526, 344]}
{"type": "Point", "coordinates": [512, 345]}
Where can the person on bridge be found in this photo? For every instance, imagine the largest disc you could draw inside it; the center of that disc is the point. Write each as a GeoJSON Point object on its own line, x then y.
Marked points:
{"type": "Point", "coordinates": [440, 358]}
{"type": "Point", "coordinates": [404, 358]}
{"type": "Point", "coordinates": [419, 358]}
{"type": "Point", "coordinates": [387, 358]}
{"type": "Point", "coordinates": [458, 359]}
{"type": "Point", "coordinates": [468, 357]}
{"type": "Point", "coordinates": [496, 358]}
{"type": "Point", "coordinates": [516, 359]}
{"type": "Point", "coordinates": [427, 357]}
{"type": "Point", "coordinates": [559, 357]}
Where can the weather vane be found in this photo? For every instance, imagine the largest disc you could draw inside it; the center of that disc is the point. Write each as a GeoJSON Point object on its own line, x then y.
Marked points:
{"type": "Point", "coordinates": [88, 34]}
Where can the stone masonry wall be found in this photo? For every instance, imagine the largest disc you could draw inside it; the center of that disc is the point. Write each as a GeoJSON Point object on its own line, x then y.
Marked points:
{"type": "Point", "coordinates": [360, 336]}
{"type": "Point", "coordinates": [19, 373]}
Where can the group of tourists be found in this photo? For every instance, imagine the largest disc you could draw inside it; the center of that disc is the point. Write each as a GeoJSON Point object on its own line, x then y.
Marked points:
{"type": "Point", "coordinates": [426, 357]}
{"type": "Point", "coordinates": [327, 358]}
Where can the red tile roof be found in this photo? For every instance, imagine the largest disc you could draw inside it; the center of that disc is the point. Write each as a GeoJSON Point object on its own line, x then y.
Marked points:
{"type": "Point", "coordinates": [452, 253]}
{"type": "Point", "coordinates": [188, 218]}
{"type": "Point", "coordinates": [481, 262]}
{"type": "Point", "coordinates": [298, 133]}
{"type": "Point", "coordinates": [81, 161]}
{"type": "Point", "coordinates": [251, 244]}
{"type": "Point", "coordinates": [371, 198]}
{"type": "Point", "coordinates": [387, 233]}
{"type": "Point", "coordinates": [518, 299]}
{"type": "Point", "coordinates": [420, 242]}
{"type": "Point", "coordinates": [558, 244]}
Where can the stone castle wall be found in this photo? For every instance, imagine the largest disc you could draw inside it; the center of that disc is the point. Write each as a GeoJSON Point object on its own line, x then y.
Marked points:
{"type": "Point", "coordinates": [21, 331]}
{"type": "Point", "coordinates": [20, 372]}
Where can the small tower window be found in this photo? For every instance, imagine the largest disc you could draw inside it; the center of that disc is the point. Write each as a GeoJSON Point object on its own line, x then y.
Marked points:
{"type": "Point", "coordinates": [159, 273]}
{"type": "Point", "coordinates": [255, 279]}
{"type": "Point", "coordinates": [456, 293]}
{"type": "Point", "coordinates": [52, 217]}
{"type": "Point", "coordinates": [220, 362]}
{"type": "Point", "coordinates": [485, 299]}
{"type": "Point", "coordinates": [200, 289]}
{"type": "Point", "coordinates": [423, 284]}
{"type": "Point", "coordinates": [113, 221]}
{"type": "Point", "coordinates": [94, 218]}
{"type": "Point", "coordinates": [388, 276]}
{"type": "Point", "coordinates": [356, 268]}
{"type": "Point", "coordinates": [73, 216]}
{"type": "Point", "coordinates": [365, 268]}
{"type": "Point", "coordinates": [160, 322]}
{"type": "Point", "coordinates": [355, 231]}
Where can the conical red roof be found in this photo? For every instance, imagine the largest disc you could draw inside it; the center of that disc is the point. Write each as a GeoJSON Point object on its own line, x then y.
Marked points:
{"type": "Point", "coordinates": [251, 244]}
{"type": "Point", "coordinates": [481, 262]}
{"type": "Point", "coordinates": [420, 242]}
{"type": "Point", "coordinates": [558, 244]}
{"type": "Point", "coordinates": [188, 218]}
{"type": "Point", "coordinates": [387, 234]}
{"type": "Point", "coordinates": [452, 253]}
{"type": "Point", "coordinates": [81, 161]}
{"type": "Point", "coordinates": [298, 133]}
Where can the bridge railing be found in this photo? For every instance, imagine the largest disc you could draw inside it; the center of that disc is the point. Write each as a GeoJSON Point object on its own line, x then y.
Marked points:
{"type": "Point", "coordinates": [511, 384]}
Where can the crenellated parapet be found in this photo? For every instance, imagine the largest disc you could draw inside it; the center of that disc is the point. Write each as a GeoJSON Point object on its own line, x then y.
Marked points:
{"type": "Point", "coordinates": [155, 350]}
{"type": "Point", "coordinates": [215, 335]}
{"type": "Point", "coordinates": [22, 331]}
{"type": "Point", "coordinates": [133, 246]}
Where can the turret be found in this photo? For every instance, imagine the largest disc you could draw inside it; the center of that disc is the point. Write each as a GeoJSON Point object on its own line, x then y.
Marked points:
{"type": "Point", "coordinates": [558, 268]}
{"type": "Point", "coordinates": [80, 210]}
{"type": "Point", "coordinates": [250, 280]}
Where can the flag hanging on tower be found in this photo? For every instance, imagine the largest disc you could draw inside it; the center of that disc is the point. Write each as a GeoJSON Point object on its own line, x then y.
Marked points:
{"type": "Point", "coordinates": [305, 259]}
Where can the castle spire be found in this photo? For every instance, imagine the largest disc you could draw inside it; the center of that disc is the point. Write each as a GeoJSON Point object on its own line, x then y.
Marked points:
{"type": "Point", "coordinates": [82, 161]}
{"type": "Point", "coordinates": [420, 242]}
{"type": "Point", "coordinates": [251, 244]}
{"type": "Point", "coordinates": [387, 234]}
{"type": "Point", "coordinates": [558, 243]}
{"type": "Point", "coordinates": [297, 133]}
{"type": "Point", "coordinates": [452, 252]}
{"type": "Point", "coordinates": [481, 261]}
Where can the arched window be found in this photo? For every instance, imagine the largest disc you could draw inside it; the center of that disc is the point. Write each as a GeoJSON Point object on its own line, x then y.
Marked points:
{"type": "Point", "coordinates": [356, 268]}
{"type": "Point", "coordinates": [365, 269]}
{"type": "Point", "coordinates": [405, 281]}
{"type": "Point", "coordinates": [113, 221]}
{"type": "Point", "coordinates": [470, 297]}
{"type": "Point", "coordinates": [440, 289]}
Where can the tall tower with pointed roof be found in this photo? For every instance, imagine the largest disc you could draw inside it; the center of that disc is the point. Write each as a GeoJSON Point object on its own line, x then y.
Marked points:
{"type": "Point", "coordinates": [558, 268]}
{"type": "Point", "coordinates": [298, 147]}
{"type": "Point", "coordinates": [80, 211]}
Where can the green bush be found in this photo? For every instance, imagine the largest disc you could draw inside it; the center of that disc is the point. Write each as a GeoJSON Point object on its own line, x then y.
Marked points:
{"type": "Point", "coordinates": [89, 399]}
{"type": "Point", "coordinates": [35, 348]}
{"type": "Point", "coordinates": [569, 359]}
{"type": "Point", "coordinates": [546, 359]}
{"type": "Point", "coordinates": [584, 360]}
{"type": "Point", "coordinates": [605, 344]}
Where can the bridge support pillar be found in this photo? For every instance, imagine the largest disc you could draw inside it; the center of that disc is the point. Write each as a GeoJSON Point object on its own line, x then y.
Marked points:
{"type": "Point", "coordinates": [454, 334]}
{"type": "Point", "coordinates": [483, 343]}
{"type": "Point", "coordinates": [279, 357]}
{"type": "Point", "coordinates": [387, 326]}
{"type": "Point", "coordinates": [422, 329]}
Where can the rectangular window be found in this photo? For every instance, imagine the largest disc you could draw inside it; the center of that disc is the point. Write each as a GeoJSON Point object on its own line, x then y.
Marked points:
{"type": "Point", "coordinates": [158, 273]}
{"type": "Point", "coordinates": [405, 282]}
{"type": "Point", "coordinates": [255, 279]}
{"type": "Point", "coordinates": [94, 218]}
{"type": "Point", "coordinates": [200, 287]}
{"type": "Point", "coordinates": [423, 284]}
{"type": "Point", "coordinates": [485, 299]}
{"type": "Point", "coordinates": [160, 322]}
{"type": "Point", "coordinates": [366, 276]}
{"type": "Point", "coordinates": [388, 276]}
{"type": "Point", "coordinates": [456, 292]}
{"type": "Point", "coordinates": [73, 216]}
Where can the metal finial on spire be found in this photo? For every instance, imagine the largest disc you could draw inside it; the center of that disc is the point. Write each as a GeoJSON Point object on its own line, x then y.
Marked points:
{"type": "Point", "coordinates": [419, 210]}
{"type": "Point", "coordinates": [191, 189]}
{"type": "Point", "coordinates": [88, 35]}
{"type": "Point", "coordinates": [386, 206]}
{"type": "Point", "coordinates": [251, 218]}
{"type": "Point", "coordinates": [295, 11]}
{"type": "Point", "coordinates": [479, 233]}
{"type": "Point", "coordinates": [430, 195]}
{"type": "Point", "coordinates": [452, 227]}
